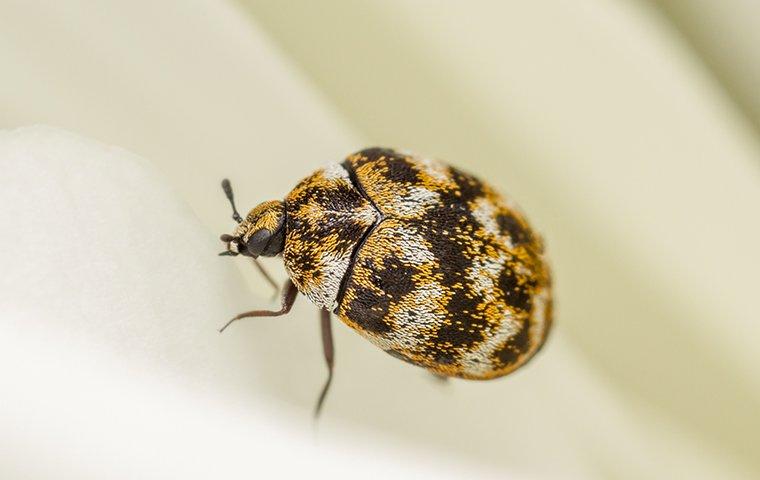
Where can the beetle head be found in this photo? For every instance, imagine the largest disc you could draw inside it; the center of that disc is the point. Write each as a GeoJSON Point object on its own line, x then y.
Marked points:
{"type": "Point", "coordinates": [262, 232]}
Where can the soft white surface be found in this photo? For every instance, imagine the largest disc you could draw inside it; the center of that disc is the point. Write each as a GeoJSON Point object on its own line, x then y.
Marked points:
{"type": "Point", "coordinates": [111, 294]}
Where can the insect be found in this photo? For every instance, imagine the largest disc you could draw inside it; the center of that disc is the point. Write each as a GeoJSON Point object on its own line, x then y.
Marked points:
{"type": "Point", "coordinates": [425, 261]}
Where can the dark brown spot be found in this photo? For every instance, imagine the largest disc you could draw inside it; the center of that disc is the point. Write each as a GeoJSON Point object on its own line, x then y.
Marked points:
{"type": "Point", "coordinates": [443, 358]}
{"type": "Point", "coordinates": [395, 279]}
{"type": "Point", "coordinates": [515, 347]}
{"type": "Point", "coordinates": [511, 226]}
{"type": "Point", "coordinates": [470, 187]}
{"type": "Point", "coordinates": [369, 310]}
{"type": "Point", "coordinates": [516, 295]}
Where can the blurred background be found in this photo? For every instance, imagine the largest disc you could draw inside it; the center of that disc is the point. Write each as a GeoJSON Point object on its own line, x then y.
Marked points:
{"type": "Point", "coordinates": [628, 130]}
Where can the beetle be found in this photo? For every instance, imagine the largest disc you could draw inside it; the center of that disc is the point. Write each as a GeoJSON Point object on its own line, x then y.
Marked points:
{"type": "Point", "coordinates": [422, 259]}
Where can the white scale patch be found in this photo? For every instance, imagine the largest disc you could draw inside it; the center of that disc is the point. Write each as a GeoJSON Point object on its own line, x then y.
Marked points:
{"type": "Point", "coordinates": [485, 213]}
{"type": "Point", "coordinates": [413, 250]}
{"type": "Point", "coordinates": [412, 201]}
{"type": "Point", "coordinates": [412, 326]}
{"type": "Point", "coordinates": [367, 215]}
{"type": "Point", "coordinates": [333, 267]}
{"type": "Point", "coordinates": [422, 313]}
{"type": "Point", "coordinates": [478, 361]}
{"type": "Point", "coordinates": [335, 171]}
{"type": "Point", "coordinates": [484, 273]}
{"type": "Point", "coordinates": [539, 301]}
{"type": "Point", "coordinates": [434, 169]}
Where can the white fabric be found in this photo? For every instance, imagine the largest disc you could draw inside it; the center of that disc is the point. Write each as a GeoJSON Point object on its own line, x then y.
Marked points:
{"type": "Point", "coordinates": [625, 151]}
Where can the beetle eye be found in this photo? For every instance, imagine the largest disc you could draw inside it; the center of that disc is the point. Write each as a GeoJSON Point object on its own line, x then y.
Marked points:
{"type": "Point", "coordinates": [258, 242]}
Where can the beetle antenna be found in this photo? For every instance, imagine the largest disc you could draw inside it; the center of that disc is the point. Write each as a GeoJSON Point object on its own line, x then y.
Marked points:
{"type": "Point", "coordinates": [228, 192]}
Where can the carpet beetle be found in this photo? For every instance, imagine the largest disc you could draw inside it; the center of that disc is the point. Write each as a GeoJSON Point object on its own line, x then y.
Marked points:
{"type": "Point", "coordinates": [425, 261]}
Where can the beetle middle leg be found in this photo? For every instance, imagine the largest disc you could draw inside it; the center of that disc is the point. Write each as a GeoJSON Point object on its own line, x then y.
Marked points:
{"type": "Point", "coordinates": [288, 299]}
{"type": "Point", "coordinates": [329, 351]}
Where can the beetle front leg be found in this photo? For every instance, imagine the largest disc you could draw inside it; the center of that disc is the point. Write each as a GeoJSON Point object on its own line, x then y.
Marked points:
{"type": "Point", "coordinates": [266, 276]}
{"type": "Point", "coordinates": [288, 299]}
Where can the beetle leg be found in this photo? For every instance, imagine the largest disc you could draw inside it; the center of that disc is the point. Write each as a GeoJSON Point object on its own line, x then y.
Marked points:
{"type": "Point", "coordinates": [288, 299]}
{"type": "Point", "coordinates": [329, 351]}
{"type": "Point", "coordinates": [266, 275]}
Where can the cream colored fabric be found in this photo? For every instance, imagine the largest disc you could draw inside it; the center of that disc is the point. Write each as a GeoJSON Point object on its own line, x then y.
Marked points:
{"type": "Point", "coordinates": [633, 157]}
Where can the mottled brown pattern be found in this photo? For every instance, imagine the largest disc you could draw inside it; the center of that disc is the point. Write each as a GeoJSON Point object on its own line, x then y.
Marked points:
{"type": "Point", "coordinates": [325, 219]}
{"type": "Point", "coordinates": [427, 262]}
{"type": "Point", "coordinates": [453, 278]}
